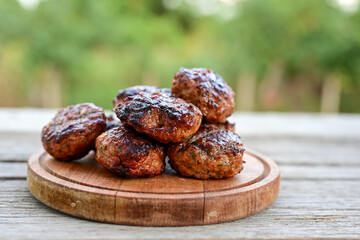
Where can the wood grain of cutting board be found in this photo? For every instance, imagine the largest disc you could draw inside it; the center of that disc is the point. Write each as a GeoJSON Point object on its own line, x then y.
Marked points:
{"type": "Point", "coordinates": [85, 189]}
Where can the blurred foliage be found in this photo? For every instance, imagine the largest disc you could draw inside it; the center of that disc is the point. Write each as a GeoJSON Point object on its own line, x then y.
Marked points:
{"type": "Point", "coordinates": [86, 50]}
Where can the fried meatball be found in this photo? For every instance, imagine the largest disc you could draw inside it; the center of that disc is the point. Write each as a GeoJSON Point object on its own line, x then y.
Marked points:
{"type": "Point", "coordinates": [161, 117]}
{"type": "Point", "coordinates": [112, 122]}
{"type": "Point", "coordinates": [227, 126]}
{"type": "Point", "coordinates": [131, 91]}
{"type": "Point", "coordinates": [209, 153]}
{"type": "Point", "coordinates": [129, 154]}
{"type": "Point", "coordinates": [206, 90]}
{"type": "Point", "coordinates": [71, 134]}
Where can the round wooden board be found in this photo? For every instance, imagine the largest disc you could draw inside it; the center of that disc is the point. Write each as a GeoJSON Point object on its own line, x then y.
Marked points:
{"type": "Point", "coordinates": [84, 189]}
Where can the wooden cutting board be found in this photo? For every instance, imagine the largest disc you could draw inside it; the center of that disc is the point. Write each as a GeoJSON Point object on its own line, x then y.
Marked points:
{"type": "Point", "coordinates": [84, 189]}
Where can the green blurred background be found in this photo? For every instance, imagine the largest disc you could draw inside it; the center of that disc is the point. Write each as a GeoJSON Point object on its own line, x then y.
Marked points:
{"type": "Point", "coordinates": [278, 55]}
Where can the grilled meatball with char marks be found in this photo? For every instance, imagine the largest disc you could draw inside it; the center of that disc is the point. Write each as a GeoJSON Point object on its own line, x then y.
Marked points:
{"type": "Point", "coordinates": [129, 154]}
{"type": "Point", "coordinates": [206, 90]}
{"type": "Point", "coordinates": [131, 91]}
{"type": "Point", "coordinates": [161, 117]}
{"type": "Point", "coordinates": [209, 153]}
{"type": "Point", "coordinates": [71, 134]}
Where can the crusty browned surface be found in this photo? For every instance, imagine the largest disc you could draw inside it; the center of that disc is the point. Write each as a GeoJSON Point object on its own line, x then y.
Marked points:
{"type": "Point", "coordinates": [227, 126]}
{"type": "Point", "coordinates": [209, 153]}
{"type": "Point", "coordinates": [129, 154]}
{"type": "Point", "coordinates": [71, 134]}
{"type": "Point", "coordinates": [164, 118]}
{"type": "Point", "coordinates": [131, 91]}
{"type": "Point", "coordinates": [206, 90]}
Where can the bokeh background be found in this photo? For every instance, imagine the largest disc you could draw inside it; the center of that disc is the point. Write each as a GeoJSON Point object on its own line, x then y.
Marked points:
{"type": "Point", "coordinates": [278, 55]}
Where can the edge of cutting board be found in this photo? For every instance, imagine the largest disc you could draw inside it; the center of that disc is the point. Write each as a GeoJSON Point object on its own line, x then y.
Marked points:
{"type": "Point", "coordinates": [166, 200]}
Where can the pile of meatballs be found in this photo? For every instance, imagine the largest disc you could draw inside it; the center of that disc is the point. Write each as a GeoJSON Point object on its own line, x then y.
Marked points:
{"type": "Point", "coordinates": [188, 123]}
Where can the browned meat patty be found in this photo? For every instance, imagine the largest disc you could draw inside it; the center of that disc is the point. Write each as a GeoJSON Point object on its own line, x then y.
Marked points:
{"type": "Point", "coordinates": [227, 126]}
{"type": "Point", "coordinates": [129, 154]}
{"type": "Point", "coordinates": [71, 134]}
{"type": "Point", "coordinates": [131, 91]}
{"type": "Point", "coordinates": [112, 122]}
{"type": "Point", "coordinates": [161, 117]}
{"type": "Point", "coordinates": [209, 153]}
{"type": "Point", "coordinates": [206, 90]}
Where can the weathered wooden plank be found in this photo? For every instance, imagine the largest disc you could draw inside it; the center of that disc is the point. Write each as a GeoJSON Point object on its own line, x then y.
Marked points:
{"type": "Point", "coordinates": [297, 124]}
{"type": "Point", "coordinates": [319, 172]}
{"type": "Point", "coordinates": [13, 170]}
{"type": "Point", "coordinates": [326, 209]}
{"type": "Point", "coordinates": [308, 151]}
{"type": "Point", "coordinates": [16, 146]}
{"type": "Point", "coordinates": [288, 172]}
{"type": "Point", "coordinates": [24, 120]}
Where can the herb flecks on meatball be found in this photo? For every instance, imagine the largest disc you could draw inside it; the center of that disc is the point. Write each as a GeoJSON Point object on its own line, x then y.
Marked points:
{"type": "Point", "coordinates": [209, 153]}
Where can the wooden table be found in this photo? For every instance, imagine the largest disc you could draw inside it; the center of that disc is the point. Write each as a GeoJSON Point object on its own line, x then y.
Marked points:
{"type": "Point", "coordinates": [319, 158]}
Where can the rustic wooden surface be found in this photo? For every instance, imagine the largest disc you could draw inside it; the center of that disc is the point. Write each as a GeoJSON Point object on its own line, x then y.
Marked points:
{"type": "Point", "coordinates": [318, 155]}
{"type": "Point", "coordinates": [85, 189]}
